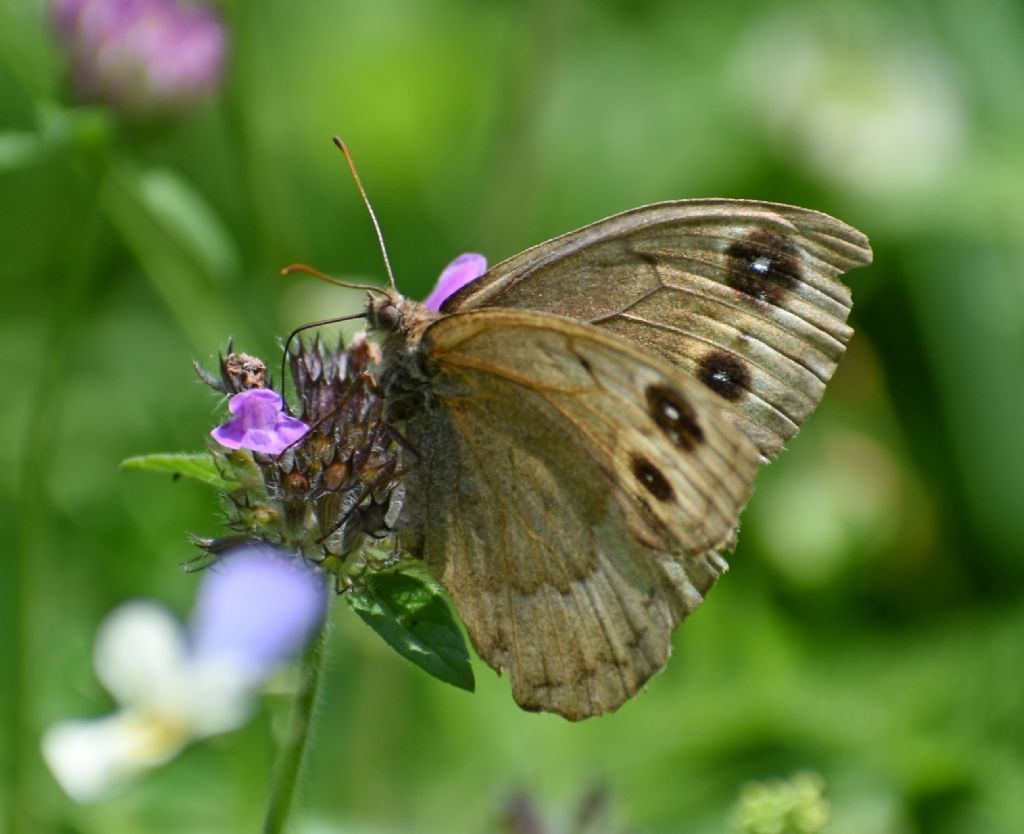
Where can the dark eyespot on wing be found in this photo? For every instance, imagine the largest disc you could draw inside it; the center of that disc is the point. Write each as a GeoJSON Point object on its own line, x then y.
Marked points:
{"type": "Point", "coordinates": [674, 416]}
{"type": "Point", "coordinates": [651, 478]}
{"type": "Point", "coordinates": [725, 374]}
{"type": "Point", "coordinates": [763, 265]}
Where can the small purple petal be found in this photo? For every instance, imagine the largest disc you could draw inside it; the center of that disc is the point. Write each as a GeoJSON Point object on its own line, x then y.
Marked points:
{"type": "Point", "coordinates": [231, 434]}
{"type": "Point", "coordinates": [463, 270]}
{"type": "Point", "coordinates": [289, 429]}
{"type": "Point", "coordinates": [262, 441]}
{"type": "Point", "coordinates": [257, 607]}
{"type": "Point", "coordinates": [256, 400]}
{"type": "Point", "coordinates": [259, 424]}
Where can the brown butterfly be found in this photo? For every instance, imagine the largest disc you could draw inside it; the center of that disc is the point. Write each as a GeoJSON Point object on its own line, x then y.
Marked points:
{"type": "Point", "coordinates": [583, 424]}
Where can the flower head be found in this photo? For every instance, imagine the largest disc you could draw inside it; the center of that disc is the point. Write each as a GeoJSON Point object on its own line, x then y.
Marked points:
{"type": "Point", "coordinates": [463, 270]}
{"type": "Point", "coordinates": [142, 56]}
{"type": "Point", "coordinates": [259, 424]}
{"type": "Point", "coordinates": [337, 489]}
{"type": "Point", "coordinates": [256, 609]}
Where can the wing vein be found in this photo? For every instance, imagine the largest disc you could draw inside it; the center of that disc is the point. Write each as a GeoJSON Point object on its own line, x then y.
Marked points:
{"type": "Point", "coordinates": [505, 509]}
{"type": "Point", "coordinates": [673, 329]}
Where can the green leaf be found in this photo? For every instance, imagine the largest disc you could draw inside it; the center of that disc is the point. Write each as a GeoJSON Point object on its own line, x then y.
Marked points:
{"type": "Point", "coordinates": [186, 215]}
{"type": "Point", "coordinates": [182, 266]}
{"type": "Point", "coordinates": [413, 617]}
{"type": "Point", "coordinates": [200, 466]}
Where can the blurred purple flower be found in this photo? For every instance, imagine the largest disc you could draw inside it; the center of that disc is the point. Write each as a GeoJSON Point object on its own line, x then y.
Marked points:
{"type": "Point", "coordinates": [142, 56]}
{"type": "Point", "coordinates": [463, 270]}
{"type": "Point", "coordinates": [256, 607]}
{"type": "Point", "coordinates": [259, 424]}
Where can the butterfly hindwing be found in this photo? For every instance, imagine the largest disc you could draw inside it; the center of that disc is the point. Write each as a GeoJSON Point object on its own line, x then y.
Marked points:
{"type": "Point", "coordinates": [744, 296]}
{"type": "Point", "coordinates": [572, 493]}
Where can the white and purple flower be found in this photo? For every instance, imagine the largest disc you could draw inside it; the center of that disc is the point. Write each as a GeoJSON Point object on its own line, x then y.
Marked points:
{"type": "Point", "coordinates": [259, 423]}
{"type": "Point", "coordinates": [142, 56]}
{"type": "Point", "coordinates": [256, 609]}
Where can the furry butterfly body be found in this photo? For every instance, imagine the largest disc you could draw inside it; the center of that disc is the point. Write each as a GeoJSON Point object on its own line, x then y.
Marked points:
{"type": "Point", "coordinates": [584, 422]}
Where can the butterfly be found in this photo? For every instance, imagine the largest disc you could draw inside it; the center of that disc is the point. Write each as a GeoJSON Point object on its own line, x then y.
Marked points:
{"type": "Point", "coordinates": [582, 426]}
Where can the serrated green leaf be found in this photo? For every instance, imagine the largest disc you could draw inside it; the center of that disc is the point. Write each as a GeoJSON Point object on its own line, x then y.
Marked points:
{"type": "Point", "coordinates": [414, 619]}
{"type": "Point", "coordinates": [199, 466]}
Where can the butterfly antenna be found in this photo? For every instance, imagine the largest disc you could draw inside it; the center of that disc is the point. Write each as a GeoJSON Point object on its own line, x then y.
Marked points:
{"type": "Point", "coordinates": [297, 331]}
{"type": "Point", "coordinates": [366, 201]}
{"type": "Point", "coordinates": [316, 273]}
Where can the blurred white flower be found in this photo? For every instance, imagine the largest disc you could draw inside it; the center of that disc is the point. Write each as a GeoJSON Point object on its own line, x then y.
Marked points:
{"type": "Point", "coordinates": [860, 103]}
{"type": "Point", "coordinates": [256, 609]}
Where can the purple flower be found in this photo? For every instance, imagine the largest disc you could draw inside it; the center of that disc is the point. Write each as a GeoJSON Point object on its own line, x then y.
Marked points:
{"type": "Point", "coordinates": [259, 424]}
{"type": "Point", "coordinates": [142, 56]}
{"type": "Point", "coordinates": [257, 607]}
{"type": "Point", "coordinates": [463, 270]}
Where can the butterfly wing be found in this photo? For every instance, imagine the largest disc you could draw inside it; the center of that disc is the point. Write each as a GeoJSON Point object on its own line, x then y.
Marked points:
{"type": "Point", "coordinates": [745, 296]}
{"type": "Point", "coordinates": [572, 493]}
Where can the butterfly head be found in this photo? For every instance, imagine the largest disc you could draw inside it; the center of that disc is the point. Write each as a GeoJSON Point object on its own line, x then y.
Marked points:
{"type": "Point", "coordinates": [390, 312]}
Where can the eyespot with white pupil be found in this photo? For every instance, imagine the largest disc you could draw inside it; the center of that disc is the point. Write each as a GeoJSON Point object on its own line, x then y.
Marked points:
{"type": "Point", "coordinates": [674, 415]}
{"type": "Point", "coordinates": [725, 374]}
{"type": "Point", "coordinates": [669, 411]}
{"type": "Point", "coordinates": [763, 265]}
{"type": "Point", "coordinates": [651, 478]}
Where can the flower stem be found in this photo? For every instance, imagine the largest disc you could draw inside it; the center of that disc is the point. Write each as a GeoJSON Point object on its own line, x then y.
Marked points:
{"type": "Point", "coordinates": [293, 751]}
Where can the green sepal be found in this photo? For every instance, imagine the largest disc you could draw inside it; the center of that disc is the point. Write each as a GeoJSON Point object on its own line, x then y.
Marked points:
{"type": "Point", "coordinates": [199, 465]}
{"type": "Point", "coordinates": [413, 617]}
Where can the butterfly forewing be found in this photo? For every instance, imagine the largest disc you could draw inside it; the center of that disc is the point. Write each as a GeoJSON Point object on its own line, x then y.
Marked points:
{"type": "Point", "coordinates": [573, 490]}
{"type": "Point", "coordinates": [744, 296]}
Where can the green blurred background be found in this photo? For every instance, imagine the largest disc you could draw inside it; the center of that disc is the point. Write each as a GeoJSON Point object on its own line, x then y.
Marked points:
{"type": "Point", "coordinates": [871, 628]}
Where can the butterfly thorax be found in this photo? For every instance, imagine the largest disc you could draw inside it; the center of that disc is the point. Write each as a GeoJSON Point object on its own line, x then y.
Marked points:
{"type": "Point", "coordinates": [404, 376]}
